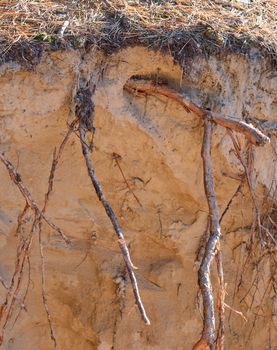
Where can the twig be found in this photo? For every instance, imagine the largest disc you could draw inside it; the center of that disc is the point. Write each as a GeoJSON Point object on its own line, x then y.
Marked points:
{"type": "Point", "coordinates": [63, 28]}
{"type": "Point", "coordinates": [254, 135]}
{"type": "Point", "coordinates": [86, 123]}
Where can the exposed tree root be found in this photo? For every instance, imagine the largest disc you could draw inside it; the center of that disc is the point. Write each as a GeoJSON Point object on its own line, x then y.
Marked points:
{"type": "Point", "coordinates": [202, 243]}
{"type": "Point", "coordinates": [238, 190]}
{"type": "Point", "coordinates": [247, 163]}
{"type": "Point", "coordinates": [117, 158]}
{"type": "Point", "coordinates": [16, 178]}
{"type": "Point", "coordinates": [56, 158]}
{"type": "Point", "coordinates": [43, 287]}
{"type": "Point", "coordinates": [254, 135]}
{"type": "Point", "coordinates": [22, 304]}
{"type": "Point", "coordinates": [221, 300]}
{"type": "Point", "coordinates": [20, 219]}
{"type": "Point", "coordinates": [85, 116]}
{"type": "Point", "coordinates": [236, 311]}
{"type": "Point", "coordinates": [269, 126]}
{"type": "Point", "coordinates": [13, 290]}
{"type": "Point", "coordinates": [25, 243]}
{"type": "Point", "coordinates": [259, 247]}
{"type": "Point", "coordinates": [212, 247]}
{"type": "Point", "coordinates": [212, 334]}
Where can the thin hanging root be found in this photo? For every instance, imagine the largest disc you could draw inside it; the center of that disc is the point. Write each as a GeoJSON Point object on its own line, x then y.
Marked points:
{"type": "Point", "coordinates": [24, 247]}
{"type": "Point", "coordinates": [85, 114]}
{"type": "Point", "coordinates": [259, 308]}
{"type": "Point", "coordinates": [14, 288]}
{"type": "Point", "coordinates": [236, 312]}
{"type": "Point", "coordinates": [44, 295]}
{"type": "Point", "coordinates": [208, 334]}
{"type": "Point", "coordinates": [248, 167]}
{"type": "Point", "coordinates": [56, 158]}
{"type": "Point", "coordinates": [20, 219]}
{"type": "Point", "coordinates": [114, 221]}
{"type": "Point", "coordinates": [116, 158]}
{"type": "Point", "coordinates": [238, 190]}
{"type": "Point", "coordinates": [16, 178]}
{"type": "Point", "coordinates": [254, 135]}
{"type": "Point", "coordinates": [22, 303]}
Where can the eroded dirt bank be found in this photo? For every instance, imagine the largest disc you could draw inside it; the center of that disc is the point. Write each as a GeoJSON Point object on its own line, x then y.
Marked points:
{"type": "Point", "coordinates": [157, 145]}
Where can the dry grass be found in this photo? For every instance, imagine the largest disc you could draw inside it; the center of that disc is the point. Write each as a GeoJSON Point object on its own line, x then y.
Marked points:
{"type": "Point", "coordinates": [185, 28]}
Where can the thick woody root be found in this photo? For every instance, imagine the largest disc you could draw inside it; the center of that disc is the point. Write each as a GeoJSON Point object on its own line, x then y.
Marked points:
{"type": "Point", "coordinates": [269, 126]}
{"type": "Point", "coordinates": [84, 112]}
{"type": "Point", "coordinates": [209, 334]}
{"type": "Point", "coordinates": [254, 135]}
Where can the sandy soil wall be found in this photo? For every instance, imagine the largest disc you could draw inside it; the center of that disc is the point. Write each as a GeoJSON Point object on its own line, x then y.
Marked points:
{"type": "Point", "coordinates": [159, 145]}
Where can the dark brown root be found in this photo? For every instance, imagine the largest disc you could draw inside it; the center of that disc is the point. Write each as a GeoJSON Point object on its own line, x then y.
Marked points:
{"type": "Point", "coordinates": [85, 116]}
{"type": "Point", "coordinates": [25, 243]}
